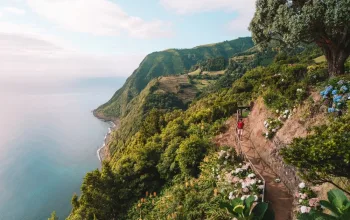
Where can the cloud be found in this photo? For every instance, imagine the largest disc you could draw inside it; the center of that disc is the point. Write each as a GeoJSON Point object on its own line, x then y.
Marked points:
{"type": "Point", "coordinates": [15, 11]}
{"type": "Point", "coordinates": [32, 32]}
{"type": "Point", "coordinates": [244, 9]}
{"type": "Point", "coordinates": [98, 17]}
{"type": "Point", "coordinates": [29, 59]}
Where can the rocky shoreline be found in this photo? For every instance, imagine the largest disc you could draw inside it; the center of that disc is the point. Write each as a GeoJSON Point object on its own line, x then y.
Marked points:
{"type": "Point", "coordinates": [102, 152]}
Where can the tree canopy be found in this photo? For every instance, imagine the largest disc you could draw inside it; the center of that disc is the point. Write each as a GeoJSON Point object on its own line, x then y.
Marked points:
{"type": "Point", "coordinates": [287, 22]}
{"type": "Point", "coordinates": [324, 155]}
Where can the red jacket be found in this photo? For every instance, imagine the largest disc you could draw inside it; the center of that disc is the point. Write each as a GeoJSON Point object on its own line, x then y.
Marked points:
{"type": "Point", "coordinates": [240, 125]}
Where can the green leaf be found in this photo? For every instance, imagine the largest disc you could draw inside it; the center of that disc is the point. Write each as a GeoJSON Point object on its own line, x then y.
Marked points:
{"type": "Point", "coordinates": [330, 207]}
{"type": "Point", "coordinates": [269, 215]}
{"type": "Point", "coordinates": [248, 204]}
{"type": "Point", "coordinates": [315, 215]}
{"type": "Point", "coordinates": [259, 211]}
{"type": "Point", "coordinates": [239, 209]}
{"type": "Point", "coordinates": [337, 198]}
{"type": "Point", "coordinates": [236, 202]}
{"type": "Point", "coordinates": [346, 216]}
{"type": "Point", "coordinates": [225, 205]}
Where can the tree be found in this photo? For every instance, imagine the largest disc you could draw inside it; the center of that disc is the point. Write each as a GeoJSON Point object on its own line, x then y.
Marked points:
{"type": "Point", "coordinates": [53, 216]}
{"type": "Point", "coordinates": [75, 202]}
{"type": "Point", "coordinates": [190, 154]}
{"type": "Point", "coordinates": [287, 22]}
{"type": "Point", "coordinates": [323, 156]}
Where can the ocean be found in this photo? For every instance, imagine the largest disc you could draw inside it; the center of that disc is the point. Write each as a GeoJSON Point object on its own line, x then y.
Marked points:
{"type": "Point", "coordinates": [48, 142]}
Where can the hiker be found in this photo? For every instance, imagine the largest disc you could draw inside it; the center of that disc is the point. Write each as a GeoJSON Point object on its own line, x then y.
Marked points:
{"type": "Point", "coordinates": [240, 126]}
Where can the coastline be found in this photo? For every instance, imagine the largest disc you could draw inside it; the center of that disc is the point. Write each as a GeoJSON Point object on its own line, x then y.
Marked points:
{"type": "Point", "coordinates": [102, 152]}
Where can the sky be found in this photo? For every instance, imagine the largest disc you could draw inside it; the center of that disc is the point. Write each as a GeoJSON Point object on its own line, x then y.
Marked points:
{"type": "Point", "coordinates": [49, 40]}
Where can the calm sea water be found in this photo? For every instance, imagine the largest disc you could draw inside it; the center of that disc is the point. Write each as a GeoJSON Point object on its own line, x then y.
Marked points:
{"type": "Point", "coordinates": [48, 141]}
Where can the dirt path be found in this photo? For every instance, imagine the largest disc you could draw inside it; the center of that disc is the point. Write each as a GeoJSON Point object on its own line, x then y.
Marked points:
{"type": "Point", "coordinates": [276, 193]}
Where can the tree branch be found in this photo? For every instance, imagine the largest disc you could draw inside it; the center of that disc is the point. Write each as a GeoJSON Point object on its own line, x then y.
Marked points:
{"type": "Point", "coordinates": [339, 187]}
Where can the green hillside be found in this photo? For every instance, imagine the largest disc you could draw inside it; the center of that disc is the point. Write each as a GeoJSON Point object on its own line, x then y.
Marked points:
{"type": "Point", "coordinates": [163, 163]}
{"type": "Point", "coordinates": [168, 62]}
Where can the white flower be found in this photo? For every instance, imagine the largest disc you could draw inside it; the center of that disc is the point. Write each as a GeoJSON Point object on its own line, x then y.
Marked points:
{"type": "Point", "coordinates": [305, 209]}
{"type": "Point", "coordinates": [277, 111]}
{"type": "Point", "coordinates": [286, 111]}
{"type": "Point", "coordinates": [221, 153]}
{"type": "Point", "coordinates": [256, 198]}
{"type": "Point", "coordinates": [267, 134]}
{"type": "Point", "coordinates": [300, 200]}
{"type": "Point", "coordinates": [238, 170]}
{"type": "Point", "coordinates": [253, 182]}
{"type": "Point", "coordinates": [284, 116]}
{"type": "Point", "coordinates": [240, 164]}
{"type": "Point", "coordinates": [231, 196]}
{"type": "Point", "coordinates": [274, 130]}
{"type": "Point", "coordinates": [251, 175]}
{"type": "Point", "coordinates": [261, 187]}
{"type": "Point", "coordinates": [259, 181]}
{"type": "Point", "coordinates": [302, 185]}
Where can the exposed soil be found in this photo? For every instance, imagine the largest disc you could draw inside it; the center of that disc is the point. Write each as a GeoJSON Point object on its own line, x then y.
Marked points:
{"type": "Point", "coordinates": [276, 194]}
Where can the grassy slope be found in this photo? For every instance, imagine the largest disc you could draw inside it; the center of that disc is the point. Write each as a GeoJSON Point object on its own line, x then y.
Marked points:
{"type": "Point", "coordinates": [168, 62]}
{"type": "Point", "coordinates": [178, 86]}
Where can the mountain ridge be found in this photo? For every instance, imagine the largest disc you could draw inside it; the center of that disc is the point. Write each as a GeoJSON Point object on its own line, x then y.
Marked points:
{"type": "Point", "coordinates": [163, 63]}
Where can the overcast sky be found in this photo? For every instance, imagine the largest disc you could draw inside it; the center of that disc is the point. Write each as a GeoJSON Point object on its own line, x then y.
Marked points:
{"type": "Point", "coordinates": [59, 39]}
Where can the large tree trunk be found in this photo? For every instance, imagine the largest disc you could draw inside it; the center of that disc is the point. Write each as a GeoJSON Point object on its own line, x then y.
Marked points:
{"type": "Point", "coordinates": [336, 59]}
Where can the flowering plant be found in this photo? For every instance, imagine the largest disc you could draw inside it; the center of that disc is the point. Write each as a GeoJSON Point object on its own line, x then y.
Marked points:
{"type": "Point", "coordinates": [307, 199]}
{"type": "Point", "coordinates": [272, 126]}
{"type": "Point", "coordinates": [246, 209]}
{"type": "Point", "coordinates": [338, 206]}
{"type": "Point", "coordinates": [236, 178]}
{"type": "Point", "coordinates": [338, 94]}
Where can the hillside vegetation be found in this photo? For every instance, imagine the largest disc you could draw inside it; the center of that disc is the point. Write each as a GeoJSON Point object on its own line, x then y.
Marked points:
{"type": "Point", "coordinates": [166, 161]}
{"type": "Point", "coordinates": [168, 62]}
{"type": "Point", "coordinates": [163, 163]}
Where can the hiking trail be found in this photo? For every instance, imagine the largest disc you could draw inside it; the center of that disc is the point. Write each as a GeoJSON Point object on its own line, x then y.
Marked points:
{"type": "Point", "coordinates": [276, 194]}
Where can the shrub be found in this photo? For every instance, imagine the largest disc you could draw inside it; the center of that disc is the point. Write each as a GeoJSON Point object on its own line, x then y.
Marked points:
{"type": "Point", "coordinates": [316, 74]}
{"type": "Point", "coordinates": [324, 155]}
{"type": "Point", "coordinates": [190, 153]}
{"type": "Point", "coordinates": [274, 100]}
{"type": "Point", "coordinates": [168, 166]}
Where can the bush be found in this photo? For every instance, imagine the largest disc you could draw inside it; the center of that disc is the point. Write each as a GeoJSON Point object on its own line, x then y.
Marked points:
{"type": "Point", "coordinates": [168, 166]}
{"type": "Point", "coordinates": [242, 85]}
{"type": "Point", "coordinates": [324, 155]}
{"type": "Point", "coordinates": [316, 73]}
{"type": "Point", "coordinates": [190, 153]}
{"type": "Point", "coordinates": [274, 100]}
